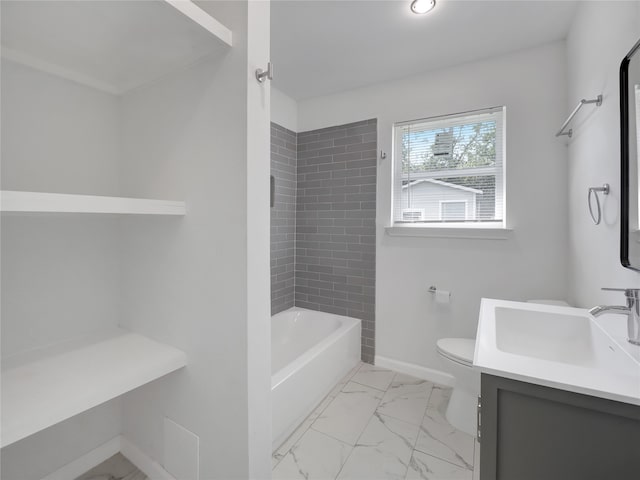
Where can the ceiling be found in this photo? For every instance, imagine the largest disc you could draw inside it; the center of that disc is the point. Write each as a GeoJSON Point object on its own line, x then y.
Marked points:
{"type": "Point", "coordinates": [323, 47]}
{"type": "Point", "coordinates": [111, 46]}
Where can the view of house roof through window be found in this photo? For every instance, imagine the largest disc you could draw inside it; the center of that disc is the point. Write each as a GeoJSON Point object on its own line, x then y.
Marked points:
{"type": "Point", "coordinates": [450, 169]}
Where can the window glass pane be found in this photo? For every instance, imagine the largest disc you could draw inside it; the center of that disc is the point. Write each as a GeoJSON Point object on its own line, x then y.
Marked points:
{"type": "Point", "coordinates": [449, 169]}
{"type": "Point", "coordinates": [462, 146]}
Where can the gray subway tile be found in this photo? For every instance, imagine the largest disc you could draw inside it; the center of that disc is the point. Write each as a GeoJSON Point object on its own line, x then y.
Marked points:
{"type": "Point", "coordinates": [348, 140]}
{"type": "Point", "coordinates": [360, 180]}
{"type": "Point", "coordinates": [307, 137]}
{"type": "Point", "coordinates": [348, 173]}
{"type": "Point", "coordinates": [347, 157]}
{"type": "Point", "coordinates": [361, 147]}
{"type": "Point", "coordinates": [332, 134]}
{"type": "Point", "coordinates": [327, 167]}
{"type": "Point", "coordinates": [323, 231]}
{"type": "Point", "coordinates": [359, 130]}
{"type": "Point", "coordinates": [324, 300]}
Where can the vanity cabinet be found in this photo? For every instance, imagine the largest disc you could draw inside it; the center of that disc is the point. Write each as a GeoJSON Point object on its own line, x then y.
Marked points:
{"type": "Point", "coordinates": [532, 432]}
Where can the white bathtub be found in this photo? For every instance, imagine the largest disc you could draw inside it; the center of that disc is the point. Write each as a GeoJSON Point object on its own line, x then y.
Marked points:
{"type": "Point", "coordinates": [310, 352]}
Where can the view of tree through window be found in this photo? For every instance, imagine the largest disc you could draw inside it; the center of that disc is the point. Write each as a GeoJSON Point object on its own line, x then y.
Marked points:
{"type": "Point", "coordinates": [450, 160]}
{"type": "Point", "coordinates": [462, 146]}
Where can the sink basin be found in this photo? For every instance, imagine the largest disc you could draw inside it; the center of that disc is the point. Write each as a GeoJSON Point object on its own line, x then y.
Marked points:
{"type": "Point", "coordinates": [560, 347]}
{"type": "Point", "coordinates": [545, 335]}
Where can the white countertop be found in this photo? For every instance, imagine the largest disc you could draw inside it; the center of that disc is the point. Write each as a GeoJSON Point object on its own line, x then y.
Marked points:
{"type": "Point", "coordinates": [559, 347]}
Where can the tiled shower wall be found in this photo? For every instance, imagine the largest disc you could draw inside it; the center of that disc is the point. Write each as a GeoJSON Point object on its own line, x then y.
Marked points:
{"type": "Point", "coordinates": [334, 206]}
{"type": "Point", "coordinates": [283, 218]}
{"type": "Point", "coordinates": [335, 224]}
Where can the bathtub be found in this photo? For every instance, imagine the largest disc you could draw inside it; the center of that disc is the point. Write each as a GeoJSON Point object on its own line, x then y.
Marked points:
{"type": "Point", "coordinates": [310, 352]}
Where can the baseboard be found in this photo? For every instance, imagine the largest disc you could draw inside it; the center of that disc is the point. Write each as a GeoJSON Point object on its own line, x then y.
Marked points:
{"type": "Point", "coordinates": [150, 467]}
{"type": "Point", "coordinates": [87, 461]}
{"type": "Point", "coordinates": [430, 374]}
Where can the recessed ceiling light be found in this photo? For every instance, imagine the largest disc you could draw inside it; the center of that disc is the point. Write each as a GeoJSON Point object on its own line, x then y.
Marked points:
{"type": "Point", "coordinates": [422, 6]}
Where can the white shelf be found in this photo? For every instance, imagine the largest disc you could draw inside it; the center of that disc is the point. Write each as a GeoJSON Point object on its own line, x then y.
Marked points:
{"type": "Point", "coordinates": [38, 202]}
{"type": "Point", "coordinates": [111, 46]}
{"type": "Point", "coordinates": [64, 382]}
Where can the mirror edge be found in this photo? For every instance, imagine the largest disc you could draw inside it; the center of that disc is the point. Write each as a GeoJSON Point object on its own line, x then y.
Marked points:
{"type": "Point", "coordinates": [624, 159]}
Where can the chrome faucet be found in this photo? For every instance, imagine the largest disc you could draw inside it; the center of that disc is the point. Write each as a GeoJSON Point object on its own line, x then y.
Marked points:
{"type": "Point", "coordinates": [632, 311]}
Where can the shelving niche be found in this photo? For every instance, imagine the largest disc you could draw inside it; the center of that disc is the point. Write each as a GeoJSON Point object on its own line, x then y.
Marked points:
{"type": "Point", "coordinates": [59, 383]}
{"type": "Point", "coordinates": [113, 48]}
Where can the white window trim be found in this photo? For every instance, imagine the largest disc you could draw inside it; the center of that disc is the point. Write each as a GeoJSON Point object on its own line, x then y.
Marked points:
{"type": "Point", "coordinates": [480, 231]}
{"type": "Point", "coordinates": [498, 230]}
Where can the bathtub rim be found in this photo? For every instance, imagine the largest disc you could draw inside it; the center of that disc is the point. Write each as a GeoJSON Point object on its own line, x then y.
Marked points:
{"type": "Point", "coordinates": [347, 323]}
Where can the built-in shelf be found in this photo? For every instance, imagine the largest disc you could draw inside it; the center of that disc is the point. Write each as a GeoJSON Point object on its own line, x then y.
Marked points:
{"type": "Point", "coordinates": [38, 202]}
{"type": "Point", "coordinates": [111, 46]}
{"type": "Point", "coordinates": [64, 381]}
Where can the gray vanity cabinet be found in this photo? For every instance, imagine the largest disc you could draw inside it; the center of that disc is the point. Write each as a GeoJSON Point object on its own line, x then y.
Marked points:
{"type": "Point", "coordinates": [531, 432]}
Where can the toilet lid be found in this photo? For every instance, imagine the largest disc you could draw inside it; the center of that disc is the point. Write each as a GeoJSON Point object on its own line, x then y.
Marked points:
{"type": "Point", "coordinates": [458, 349]}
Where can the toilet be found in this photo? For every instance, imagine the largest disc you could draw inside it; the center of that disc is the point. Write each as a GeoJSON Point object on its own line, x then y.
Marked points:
{"type": "Point", "coordinates": [457, 357]}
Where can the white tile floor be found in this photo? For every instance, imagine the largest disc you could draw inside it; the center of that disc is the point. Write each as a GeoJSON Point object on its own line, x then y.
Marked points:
{"type": "Point", "coordinates": [117, 467]}
{"type": "Point", "coordinates": [378, 424]}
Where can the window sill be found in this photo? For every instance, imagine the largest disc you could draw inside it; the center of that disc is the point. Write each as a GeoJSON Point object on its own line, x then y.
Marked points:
{"type": "Point", "coordinates": [483, 232]}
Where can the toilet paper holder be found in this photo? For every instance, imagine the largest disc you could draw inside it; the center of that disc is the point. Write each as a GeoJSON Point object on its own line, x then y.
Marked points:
{"type": "Point", "coordinates": [434, 290]}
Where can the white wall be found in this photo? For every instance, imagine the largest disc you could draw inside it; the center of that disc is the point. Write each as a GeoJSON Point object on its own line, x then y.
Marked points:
{"type": "Point", "coordinates": [601, 35]}
{"type": "Point", "coordinates": [258, 249]}
{"type": "Point", "coordinates": [185, 281]}
{"type": "Point", "coordinates": [57, 136]}
{"type": "Point", "coordinates": [284, 110]}
{"type": "Point", "coordinates": [59, 273]}
{"type": "Point", "coordinates": [532, 263]}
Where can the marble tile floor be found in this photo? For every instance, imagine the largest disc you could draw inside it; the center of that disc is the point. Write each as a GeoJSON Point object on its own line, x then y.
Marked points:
{"type": "Point", "coordinates": [379, 424]}
{"type": "Point", "coordinates": [117, 467]}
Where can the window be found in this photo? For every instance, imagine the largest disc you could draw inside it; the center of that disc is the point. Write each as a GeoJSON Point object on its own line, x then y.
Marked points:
{"type": "Point", "coordinates": [450, 170]}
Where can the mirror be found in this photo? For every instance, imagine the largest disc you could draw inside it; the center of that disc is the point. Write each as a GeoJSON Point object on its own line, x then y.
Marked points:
{"type": "Point", "coordinates": [630, 159]}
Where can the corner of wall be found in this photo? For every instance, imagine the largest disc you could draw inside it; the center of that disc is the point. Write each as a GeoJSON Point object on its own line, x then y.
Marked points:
{"type": "Point", "coordinates": [284, 110]}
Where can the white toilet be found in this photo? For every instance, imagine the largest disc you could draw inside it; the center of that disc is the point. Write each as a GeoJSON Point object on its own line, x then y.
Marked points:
{"type": "Point", "coordinates": [457, 356]}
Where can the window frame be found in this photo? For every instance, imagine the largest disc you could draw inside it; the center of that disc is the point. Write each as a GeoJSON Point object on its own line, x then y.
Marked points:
{"type": "Point", "coordinates": [491, 228]}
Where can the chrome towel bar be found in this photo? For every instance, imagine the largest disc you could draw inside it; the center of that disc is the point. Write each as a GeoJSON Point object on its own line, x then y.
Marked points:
{"type": "Point", "coordinates": [569, 133]}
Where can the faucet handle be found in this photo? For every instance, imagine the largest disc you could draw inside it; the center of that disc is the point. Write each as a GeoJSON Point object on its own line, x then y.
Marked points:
{"type": "Point", "coordinates": [629, 292]}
